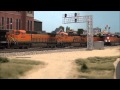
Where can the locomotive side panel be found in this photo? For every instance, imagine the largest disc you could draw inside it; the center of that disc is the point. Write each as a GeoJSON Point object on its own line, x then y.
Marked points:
{"type": "Point", "coordinates": [98, 38]}
{"type": "Point", "coordinates": [64, 40]}
{"type": "Point", "coordinates": [39, 40]}
{"type": "Point", "coordinates": [43, 40]}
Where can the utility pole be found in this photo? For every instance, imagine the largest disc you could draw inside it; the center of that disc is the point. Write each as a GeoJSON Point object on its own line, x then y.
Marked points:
{"type": "Point", "coordinates": [76, 18]}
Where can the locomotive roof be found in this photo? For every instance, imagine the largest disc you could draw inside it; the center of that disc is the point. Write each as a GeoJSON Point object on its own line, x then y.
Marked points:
{"type": "Point", "coordinates": [22, 31]}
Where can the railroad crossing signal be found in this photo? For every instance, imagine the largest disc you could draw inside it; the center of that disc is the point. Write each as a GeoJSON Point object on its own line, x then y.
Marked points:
{"type": "Point", "coordinates": [76, 18]}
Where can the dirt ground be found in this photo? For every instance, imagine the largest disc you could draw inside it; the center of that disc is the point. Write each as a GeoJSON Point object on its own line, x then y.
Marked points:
{"type": "Point", "coordinates": [59, 65]}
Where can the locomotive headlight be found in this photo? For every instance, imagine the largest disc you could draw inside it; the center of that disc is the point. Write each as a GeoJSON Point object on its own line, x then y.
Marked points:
{"type": "Point", "coordinates": [107, 37]}
{"type": "Point", "coordinates": [105, 40]}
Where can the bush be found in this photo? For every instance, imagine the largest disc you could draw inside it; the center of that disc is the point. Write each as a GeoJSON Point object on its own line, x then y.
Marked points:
{"type": "Point", "coordinates": [96, 67]}
{"type": "Point", "coordinates": [16, 68]}
{"type": "Point", "coordinates": [80, 61]}
{"type": "Point", "coordinates": [84, 67]}
{"type": "Point", "coordinates": [3, 60]}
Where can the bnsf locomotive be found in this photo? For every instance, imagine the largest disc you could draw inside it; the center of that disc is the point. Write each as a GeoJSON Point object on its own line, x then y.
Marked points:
{"type": "Point", "coordinates": [112, 40]}
{"type": "Point", "coordinates": [22, 39]}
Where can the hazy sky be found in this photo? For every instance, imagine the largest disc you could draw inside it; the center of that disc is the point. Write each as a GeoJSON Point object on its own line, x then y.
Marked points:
{"type": "Point", "coordinates": [53, 19]}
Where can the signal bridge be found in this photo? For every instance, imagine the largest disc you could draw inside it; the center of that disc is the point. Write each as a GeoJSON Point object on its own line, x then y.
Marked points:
{"type": "Point", "coordinates": [76, 18]}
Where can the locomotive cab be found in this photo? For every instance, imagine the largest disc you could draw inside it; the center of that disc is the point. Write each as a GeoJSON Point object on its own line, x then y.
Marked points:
{"type": "Point", "coordinates": [18, 35]}
{"type": "Point", "coordinates": [18, 38]}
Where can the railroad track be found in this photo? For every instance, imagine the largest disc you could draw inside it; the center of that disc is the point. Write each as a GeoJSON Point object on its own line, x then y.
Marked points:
{"type": "Point", "coordinates": [33, 51]}
{"type": "Point", "coordinates": [43, 49]}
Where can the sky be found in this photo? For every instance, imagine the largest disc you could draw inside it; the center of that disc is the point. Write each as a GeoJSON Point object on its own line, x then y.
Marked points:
{"type": "Point", "coordinates": [53, 19]}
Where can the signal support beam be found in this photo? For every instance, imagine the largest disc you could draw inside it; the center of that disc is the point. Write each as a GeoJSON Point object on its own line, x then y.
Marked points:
{"type": "Point", "coordinates": [76, 18]}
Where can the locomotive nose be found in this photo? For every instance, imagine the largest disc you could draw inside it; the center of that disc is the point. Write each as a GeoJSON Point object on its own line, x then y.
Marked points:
{"type": "Point", "coordinates": [107, 39]}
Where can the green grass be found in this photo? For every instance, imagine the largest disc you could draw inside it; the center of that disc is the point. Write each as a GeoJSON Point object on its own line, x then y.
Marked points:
{"type": "Point", "coordinates": [28, 62]}
{"type": "Point", "coordinates": [3, 60]}
{"type": "Point", "coordinates": [97, 67]}
{"type": "Point", "coordinates": [15, 68]}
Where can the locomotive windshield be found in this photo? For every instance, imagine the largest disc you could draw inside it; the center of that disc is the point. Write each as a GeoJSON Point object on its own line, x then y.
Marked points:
{"type": "Point", "coordinates": [17, 32]}
{"type": "Point", "coordinates": [11, 32]}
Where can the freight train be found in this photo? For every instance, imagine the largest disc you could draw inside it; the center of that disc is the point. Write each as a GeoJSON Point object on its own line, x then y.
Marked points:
{"type": "Point", "coordinates": [22, 39]}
